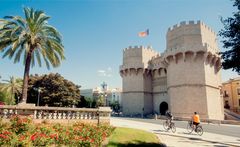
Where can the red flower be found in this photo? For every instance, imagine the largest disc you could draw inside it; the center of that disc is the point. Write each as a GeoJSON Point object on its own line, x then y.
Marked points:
{"type": "Point", "coordinates": [42, 135]}
{"type": "Point", "coordinates": [34, 136]}
{"type": "Point", "coordinates": [54, 136]}
{"type": "Point", "coordinates": [7, 133]}
{"type": "Point", "coordinates": [3, 136]}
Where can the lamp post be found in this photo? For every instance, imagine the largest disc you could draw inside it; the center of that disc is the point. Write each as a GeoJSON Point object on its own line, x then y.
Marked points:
{"type": "Point", "coordinates": [105, 95]}
{"type": "Point", "coordinates": [104, 88]}
{"type": "Point", "coordinates": [18, 99]}
{"type": "Point", "coordinates": [39, 90]}
{"type": "Point", "coordinates": [38, 98]}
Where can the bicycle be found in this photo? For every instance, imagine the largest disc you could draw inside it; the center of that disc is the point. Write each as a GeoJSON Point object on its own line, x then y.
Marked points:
{"type": "Point", "coordinates": [198, 129]}
{"type": "Point", "coordinates": [167, 125]}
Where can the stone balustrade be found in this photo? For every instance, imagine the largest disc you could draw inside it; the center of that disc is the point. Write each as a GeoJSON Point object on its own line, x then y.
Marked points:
{"type": "Point", "coordinates": [101, 114]}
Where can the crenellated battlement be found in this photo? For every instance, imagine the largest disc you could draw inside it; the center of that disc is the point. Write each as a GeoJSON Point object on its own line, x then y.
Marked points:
{"type": "Point", "coordinates": [182, 24]}
{"type": "Point", "coordinates": [190, 24]}
{"type": "Point", "coordinates": [138, 56]}
{"type": "Point", "coordinates": [190, 33]}
{"type": "Point", "coordinates": [138, 49]}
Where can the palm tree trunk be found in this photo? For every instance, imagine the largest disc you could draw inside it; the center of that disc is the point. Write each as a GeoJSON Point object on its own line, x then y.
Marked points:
{"type": "Point", "coordinates": [12, 96]}
{"type": "Point", "coordinates": [26, 76]}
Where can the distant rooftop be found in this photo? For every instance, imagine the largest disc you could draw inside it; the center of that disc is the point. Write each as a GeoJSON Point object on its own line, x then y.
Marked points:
{"type": "Point", "coordinates": [232, 79]}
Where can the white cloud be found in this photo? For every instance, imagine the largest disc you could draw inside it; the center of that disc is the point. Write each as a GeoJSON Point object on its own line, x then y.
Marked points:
{"type": "Point", "coordinates": [105, 73]}
{"type": "Point", "coordinates": [101, 71]}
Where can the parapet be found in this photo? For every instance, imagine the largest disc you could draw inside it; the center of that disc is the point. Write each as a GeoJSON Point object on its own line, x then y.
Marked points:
{"type": "Point", "coordinates": [138, 55]}
{"type": "Point", "coordinates": [139, 51]}
{"type": "Point", "coordinates": [190, 33]}
{"type": "Point", "coordinates": [136, 47]}
{"type": "Point", "coordinates": [189, 24]}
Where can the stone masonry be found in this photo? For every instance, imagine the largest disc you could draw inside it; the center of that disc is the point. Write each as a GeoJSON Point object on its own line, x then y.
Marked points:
{"type": "Point", "coordinates": [185, 78]}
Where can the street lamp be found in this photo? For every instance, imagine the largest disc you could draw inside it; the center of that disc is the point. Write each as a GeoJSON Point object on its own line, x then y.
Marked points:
{"type": "Point", "coordinates": [18, 99]}
{"type": "Point", "coordinates": [105, 98]}
{"type": "Point", "coordinates": [104, 88]}
{"type": "Point", "coordinates": [38, 98]}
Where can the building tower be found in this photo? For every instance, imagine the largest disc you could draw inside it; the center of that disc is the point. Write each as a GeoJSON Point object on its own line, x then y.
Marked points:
{"type": "Point", "coordinates": [193, 71]}
{"type": "Point", "coordinates": [159, 85]}
{"type": "Point", "coordinates": [136, 79]}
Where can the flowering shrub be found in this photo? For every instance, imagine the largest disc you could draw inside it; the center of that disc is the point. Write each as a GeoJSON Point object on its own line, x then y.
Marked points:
{"type": "Point", "coordinates": [22, 132]}
{"type": "Point", "coordinates": [20, 124]}
{"type": "Point", "coordinates": [5, 137]}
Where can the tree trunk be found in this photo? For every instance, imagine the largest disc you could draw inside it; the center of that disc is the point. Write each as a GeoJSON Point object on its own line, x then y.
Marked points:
{"type": "Point", "coordinates": [26, 76]}
{"type": "Point", "coordinates": [12, 96]}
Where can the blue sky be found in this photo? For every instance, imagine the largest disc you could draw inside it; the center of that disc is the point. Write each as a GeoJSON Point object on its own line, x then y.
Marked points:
{"type": "Point", "coordinates": [96, 31]}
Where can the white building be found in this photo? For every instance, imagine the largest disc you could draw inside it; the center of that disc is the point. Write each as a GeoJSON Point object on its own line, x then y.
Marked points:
{"type": "Point", "coordinates": [111, 94]}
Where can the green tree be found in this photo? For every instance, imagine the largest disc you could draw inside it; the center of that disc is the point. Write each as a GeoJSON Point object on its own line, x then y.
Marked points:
{"type": "Point", "coordinates": [13, 87]}
{"type": "Point", "coordinates": [4, 97]}
{"type": "Point", "coordinates": [89, 102]}
{"type": "Point", "coordinates": [100, 101]}
{"type": "Point", "coordinates": [115, 106]}
{"type": "Point", "coordinates": [55, 91]}
{"type": "Point", "coordinates": [231, 33]}
{"type": "Point", "coordinates": [32, 39]}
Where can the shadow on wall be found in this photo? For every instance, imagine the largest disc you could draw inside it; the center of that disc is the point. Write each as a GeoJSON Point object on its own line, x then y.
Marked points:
{"type": "Point", "coordinates": [137, 144]}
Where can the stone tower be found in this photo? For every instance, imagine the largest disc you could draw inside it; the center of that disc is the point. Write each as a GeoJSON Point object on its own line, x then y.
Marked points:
{"type": "Point", "coordinates": [184, 79]}
{"type": "Point", "coordinates": [136, 79]}
{"type": "Point", "coordinates": [193, 76]}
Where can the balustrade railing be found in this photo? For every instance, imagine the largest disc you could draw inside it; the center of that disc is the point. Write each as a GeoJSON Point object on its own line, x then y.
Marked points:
{"type": "Point", "coordinates": [56, 113]}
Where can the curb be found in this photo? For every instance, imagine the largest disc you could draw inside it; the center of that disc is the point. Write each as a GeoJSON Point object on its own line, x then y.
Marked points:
{"type": "Point", "coordinates": [211, 141]}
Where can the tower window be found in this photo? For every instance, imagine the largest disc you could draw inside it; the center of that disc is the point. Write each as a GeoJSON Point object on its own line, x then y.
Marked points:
{"type": "Point", "coordinates": [225, 93]}
{"type": "Point", "coordinates": [238, 91]}
{"type": "Point", "coordinates": [226, 105]}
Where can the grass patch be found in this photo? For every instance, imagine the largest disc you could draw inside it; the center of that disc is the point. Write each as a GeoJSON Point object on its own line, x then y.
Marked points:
{"type": "Point", "coordinates": [126, 137]}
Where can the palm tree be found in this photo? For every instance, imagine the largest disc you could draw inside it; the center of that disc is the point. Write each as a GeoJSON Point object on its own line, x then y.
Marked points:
{"type": "Point", "coordinates": [13, 87]}
{"type": "Point", "coordinates": [31, 39]}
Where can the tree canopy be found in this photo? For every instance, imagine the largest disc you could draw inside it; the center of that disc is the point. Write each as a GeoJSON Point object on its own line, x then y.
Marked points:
{"type": "Point", "coordinates": [32, 39]}
{"type": "Point", "coordinates": [231, 35]}
{"type": "Point", "coordinates": [54, 91]}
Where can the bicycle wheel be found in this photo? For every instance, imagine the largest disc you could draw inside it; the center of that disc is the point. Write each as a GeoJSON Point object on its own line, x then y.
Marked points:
{"type": "Point", "coordinates": [165, 125]}
{"type": "Point", "coordinates": [173, 128]}
{"type": "Point", "coordinates": [189, 127]}
{"type": "Point", "coordinates": [199, 130]}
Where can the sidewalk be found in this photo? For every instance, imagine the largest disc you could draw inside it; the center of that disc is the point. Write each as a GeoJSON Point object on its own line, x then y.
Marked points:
{"type": "Point", "coordinates": [181, 137]}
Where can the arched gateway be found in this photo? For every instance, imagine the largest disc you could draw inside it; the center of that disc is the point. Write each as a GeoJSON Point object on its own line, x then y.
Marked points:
{"type": "Point", "coordinates": [163, 107]}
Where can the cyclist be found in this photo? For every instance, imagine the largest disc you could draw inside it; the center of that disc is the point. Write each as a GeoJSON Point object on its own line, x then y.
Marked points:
{"type": "Point", "coordinates": [196, 120]}
{"type": "Point", "coordinates": [169, 117]}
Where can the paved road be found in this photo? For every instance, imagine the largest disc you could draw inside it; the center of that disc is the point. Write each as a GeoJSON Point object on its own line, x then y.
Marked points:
{"type": "Point", "coordinates": [223, 129]}
{"type": "Point", "coordinates": [180, 137]}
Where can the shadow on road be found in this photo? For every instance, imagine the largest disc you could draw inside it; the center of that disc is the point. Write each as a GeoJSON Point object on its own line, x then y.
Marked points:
{"type": "Point", "coordinates": [137, 144]}
{"type": "Point", "coordinates": [160, 131]}
{"type": "Point", "coordinates": [186, 133]}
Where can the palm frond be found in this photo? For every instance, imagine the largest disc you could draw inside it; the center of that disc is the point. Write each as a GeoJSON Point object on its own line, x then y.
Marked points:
{"type": "Point", "coordinates": [18, 54]}
{"type": "Point", "coordinates": [19, 36]}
